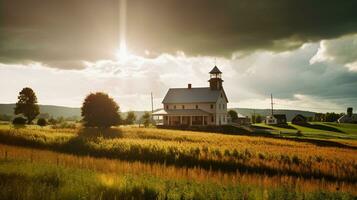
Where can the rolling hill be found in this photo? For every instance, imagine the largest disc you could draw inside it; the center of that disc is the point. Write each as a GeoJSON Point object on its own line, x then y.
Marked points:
{"type": "Point", "coordinates": [62, 111]}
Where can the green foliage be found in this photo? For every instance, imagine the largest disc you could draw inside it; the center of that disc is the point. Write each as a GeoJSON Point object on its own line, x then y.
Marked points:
{"type": "Point", "coordinates": [146, 119]}
{"type": "Point", "coordinates": [19, 121]}
{"type": "Point", "coordinates": [233, 114]}
{"type": "Point", "coordinates": [130, 118]}
{"type": "Point", "coordinates": [4, 117]}
{"type": "Point", "coordinates": [41, 122]}
{"type": "Point", "coordinates": [257, 118]}
{"type": "Point", "coordinates": [99, 110]}
{"type": "Point", "coordinates": [27, 104]}
{"type": "Point", "coordinates": [332, 117]}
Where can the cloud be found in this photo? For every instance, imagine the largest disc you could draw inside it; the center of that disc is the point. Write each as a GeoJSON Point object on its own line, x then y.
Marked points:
{"type": "Point", "coordinates": [341, 51]}
{"type": "Point", "coordinates": [248, 80]}
{"type": "Point", "coordinates": [63, 33]}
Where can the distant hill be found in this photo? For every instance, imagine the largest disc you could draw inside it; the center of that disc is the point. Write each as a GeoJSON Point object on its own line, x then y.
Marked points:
{"type": "Point", "coordinates": [56, 111]}
{"type": "Point", "coordinates": [290, 114]}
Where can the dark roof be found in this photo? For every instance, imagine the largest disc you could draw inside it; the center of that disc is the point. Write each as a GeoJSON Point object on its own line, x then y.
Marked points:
{"type": "Point", "coordinates": [299, 116]}
{"type": "Point", "coordinates": [215, 70]}
{"type": "Point", "coordinates": [280, 116]}
{"type": "Point", "coordinates": [193, 95]}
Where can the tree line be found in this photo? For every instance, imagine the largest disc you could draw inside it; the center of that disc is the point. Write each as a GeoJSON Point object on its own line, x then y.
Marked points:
{"type": "Point", "coordinates": [98, 110]}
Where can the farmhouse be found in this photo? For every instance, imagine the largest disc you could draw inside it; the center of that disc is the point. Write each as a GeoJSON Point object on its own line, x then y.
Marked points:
{"type": "Point", "coordinates": [349, 118]}
{"type": "Point", "coordinates": [200, 106]}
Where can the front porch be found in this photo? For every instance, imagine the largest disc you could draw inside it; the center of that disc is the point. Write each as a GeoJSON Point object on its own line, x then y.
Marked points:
{"type": "Point", "coordinates": [189, 117]}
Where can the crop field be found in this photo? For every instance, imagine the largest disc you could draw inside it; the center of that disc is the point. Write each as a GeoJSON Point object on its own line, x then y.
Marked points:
{"type": "Point", "coordinates": [177, 164]}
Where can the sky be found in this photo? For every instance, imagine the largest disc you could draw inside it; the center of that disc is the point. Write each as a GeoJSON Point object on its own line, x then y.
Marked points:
{"type": "Point", "coordinates": [303, 52]}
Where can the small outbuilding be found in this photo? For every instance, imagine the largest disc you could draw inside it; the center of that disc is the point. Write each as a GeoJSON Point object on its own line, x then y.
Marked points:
{"type": "Point", "coordinates": [299, 120]}
{"type": "Point", "coordinates": [275, 119]}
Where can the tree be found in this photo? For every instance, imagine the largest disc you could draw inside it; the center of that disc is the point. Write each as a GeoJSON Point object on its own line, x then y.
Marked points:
{"type": "Point", "coordinates": [332, 117]}
{"type": "Point", "coordinates": [41, 122]}
{"type": "Point", "coordinates": [99, 110]}
{"type": "Point", "coordinates": [258, 119]}
{"type": "Point", "coordinates": [233, 114]}
{"type": "Point", "coordinates": [130, 118]}
{"type": "Point", "coordinates": [146, 119]}
{"type": "Point", "coordinates": [27, 104]}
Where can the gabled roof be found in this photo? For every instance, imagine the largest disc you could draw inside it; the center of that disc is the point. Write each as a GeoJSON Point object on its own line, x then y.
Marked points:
{"type": "Point", "coordinates": [193, 95]}
{"type": "Point", "coordinates": [215, 70]}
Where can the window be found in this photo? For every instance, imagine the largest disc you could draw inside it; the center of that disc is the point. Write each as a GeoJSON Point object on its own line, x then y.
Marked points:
{"type": "Point", "coordinates": [167, 107]}
{"type": "Point", "coordinates": [212, 119]}
{"type": "Point", "coordinates": [183, 106]}
{"type": "Point", "coordinates": [211, 106]}
{"type": "Point", "coordinates": [219, 106]}
{"type": "Point", "coordinates": [196, 106]}
{"type": "Point", "coordinates": [174, 106]}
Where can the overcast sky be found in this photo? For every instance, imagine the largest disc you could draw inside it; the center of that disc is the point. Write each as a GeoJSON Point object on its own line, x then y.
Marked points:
{"type": "Point", "coordinates": [302, 51]}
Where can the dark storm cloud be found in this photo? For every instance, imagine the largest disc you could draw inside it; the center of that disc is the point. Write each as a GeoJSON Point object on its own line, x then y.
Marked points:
{"type": "Point", "coordinates": [56, 31]}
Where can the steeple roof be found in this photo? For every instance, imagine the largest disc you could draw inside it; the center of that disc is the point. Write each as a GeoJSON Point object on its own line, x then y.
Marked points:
{"type": "Point", "coordinates": [215, 70]}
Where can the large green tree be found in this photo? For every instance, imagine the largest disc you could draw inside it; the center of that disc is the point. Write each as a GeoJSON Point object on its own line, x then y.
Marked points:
{"type": "Point", "coordinates": [27, 104]}
{"type": "Point", "coordinates": [99, 110]}
{"type": "Point", "coordinates": [130, 118]}
{"type": "Point", "coordinates": [233, 114]}
{"type": "Point", "coordinates": [146, 119]}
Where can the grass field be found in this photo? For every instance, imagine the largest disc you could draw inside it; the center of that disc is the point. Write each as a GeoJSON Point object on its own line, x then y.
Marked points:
{"type": "Point", "coordinates": [315, 130]}
{"type": "Point", "coordinates": [209, 163]}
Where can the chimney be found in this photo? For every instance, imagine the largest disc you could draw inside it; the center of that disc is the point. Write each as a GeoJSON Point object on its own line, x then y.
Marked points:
{"type": "Point", "coordinates": [189, 86]}
{"type": "Point", "coordinates": [349, 111]}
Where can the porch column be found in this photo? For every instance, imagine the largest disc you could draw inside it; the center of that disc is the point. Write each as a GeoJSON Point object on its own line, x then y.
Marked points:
{"type": "Point", "coordinates": [190, 120]}
{"type": "Point", "coordinates": [169, 119]}
{"type": "Point", "coordinates": [203, 120]}
{"type": "Point", "coordinates": [180, 120]}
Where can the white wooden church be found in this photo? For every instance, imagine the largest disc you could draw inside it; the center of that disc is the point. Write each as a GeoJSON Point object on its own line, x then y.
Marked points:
{"type": "Point", "coordinates": [196, 106]}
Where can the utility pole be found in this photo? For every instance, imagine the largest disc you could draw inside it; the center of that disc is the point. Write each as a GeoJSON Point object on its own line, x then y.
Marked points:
{"type": "Point", "coordinates": [272, 104]}
{"type": "Point", "coordinates": [152, 107]}
{"type": "Point", "coordinates": [152, 104]}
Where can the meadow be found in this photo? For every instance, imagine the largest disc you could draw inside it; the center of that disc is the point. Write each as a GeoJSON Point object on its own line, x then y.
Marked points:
{"type": "Point", "coordinates": [149, 163]}
{"type": "Point", "coordinates": [27, 173]}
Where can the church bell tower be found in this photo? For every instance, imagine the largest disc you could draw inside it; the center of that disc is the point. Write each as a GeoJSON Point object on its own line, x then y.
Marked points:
{"type": "Point", "coordinates": [215, 81]}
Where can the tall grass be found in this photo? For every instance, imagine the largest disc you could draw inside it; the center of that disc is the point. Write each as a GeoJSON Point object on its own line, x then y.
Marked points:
{"type": "Point", "coordinates": [197, 174]}
{"type": "Point", "coordinates": [205, 150]}
{"type": "Point", "coordinates": [24, 180]}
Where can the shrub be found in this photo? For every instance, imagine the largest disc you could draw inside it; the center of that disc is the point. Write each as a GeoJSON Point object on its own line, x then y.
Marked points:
{"type": "Point", "coordinates": [19, 121]}
{"type": "Point", "coordinates": [41, 122]}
